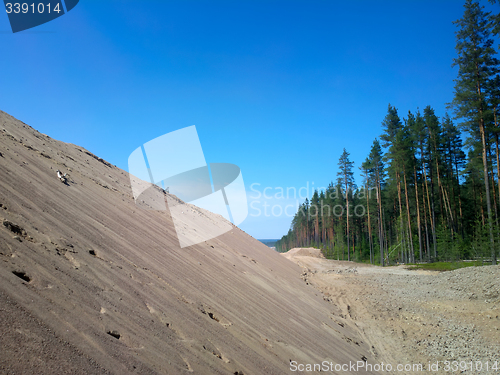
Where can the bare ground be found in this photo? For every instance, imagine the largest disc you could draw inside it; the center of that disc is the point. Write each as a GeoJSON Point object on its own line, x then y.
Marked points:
{"type": "Point", "coordinates": [90, 283]}
{"type": "Point", "coordinates": [414, 317]}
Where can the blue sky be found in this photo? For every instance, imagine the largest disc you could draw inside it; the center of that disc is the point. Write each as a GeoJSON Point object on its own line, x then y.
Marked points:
{"type": "Point", "coordinates": [278, 88]}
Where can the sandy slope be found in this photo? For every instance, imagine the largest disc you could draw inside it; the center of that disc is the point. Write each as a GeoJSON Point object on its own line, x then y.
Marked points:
{"type": "Point", "coordinates": [92, 284]}
{"type": "Point", "coordinates": [414, 317]}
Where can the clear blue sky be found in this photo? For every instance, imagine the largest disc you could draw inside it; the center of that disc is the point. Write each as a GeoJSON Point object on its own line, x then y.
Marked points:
{"type": "Point", "coordinates": [276, 87]}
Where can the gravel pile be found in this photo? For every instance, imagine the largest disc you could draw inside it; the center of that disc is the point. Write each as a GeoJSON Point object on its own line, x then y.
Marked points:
{"type": "Point", "coordinates": [450, 316]}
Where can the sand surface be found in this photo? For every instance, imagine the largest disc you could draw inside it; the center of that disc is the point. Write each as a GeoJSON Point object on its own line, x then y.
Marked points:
{"type": "Point", "coordinates": [92, 284]}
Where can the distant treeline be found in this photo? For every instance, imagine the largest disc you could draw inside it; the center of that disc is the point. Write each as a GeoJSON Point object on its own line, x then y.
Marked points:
{"type": "Point", "coordinates": [270, 243]}
{"type": "Point", "coordinates": [422, 198]}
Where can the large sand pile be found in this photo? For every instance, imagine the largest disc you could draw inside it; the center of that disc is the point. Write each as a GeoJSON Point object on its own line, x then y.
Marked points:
{"type": "Point", "coordinates": [303, 252]}
{"type": "Point", "coordinates": [92, 284]}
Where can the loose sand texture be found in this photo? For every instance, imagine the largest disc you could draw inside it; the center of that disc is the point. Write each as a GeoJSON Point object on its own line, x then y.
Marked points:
{"type": "Point", "coordinates": [90, 283]}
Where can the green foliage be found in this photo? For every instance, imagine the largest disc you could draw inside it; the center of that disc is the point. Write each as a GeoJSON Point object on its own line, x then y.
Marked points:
{"type": "Point", "coordinates": [445, 266]}
{"type": "Point", "coordinates": [425, 193]}
{"type": "Point", "coordinates": [477, 65]}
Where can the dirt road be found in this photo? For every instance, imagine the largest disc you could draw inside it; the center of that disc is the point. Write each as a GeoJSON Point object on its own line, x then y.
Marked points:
{"type": "Point", "coordinates": [415, 317]}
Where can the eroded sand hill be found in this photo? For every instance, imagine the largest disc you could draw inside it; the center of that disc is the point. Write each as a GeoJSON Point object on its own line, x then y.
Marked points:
{"type": "Point", "coordinates": [92, 284]}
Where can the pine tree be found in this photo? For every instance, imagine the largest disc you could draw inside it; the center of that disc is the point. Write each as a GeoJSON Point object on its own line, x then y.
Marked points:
{"type": "Point", "coordinates": [377, 169]}
{"type": "Point", "coordinates": [367, 169]}
{"type": "Point", "coordinates": [415, 133]}
{"type": "Point", "coordinates": [346, 180]}
{"type": "Point", "coordinates": [477, 67]}
{"type": "Point", "coordinates": [394, 138]}
{"type": "Point", "coordinates": [454, 160]}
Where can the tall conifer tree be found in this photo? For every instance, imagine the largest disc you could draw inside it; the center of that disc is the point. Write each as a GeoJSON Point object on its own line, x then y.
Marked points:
{"type": "Point", "coordinates": [346, 180]}
{"type": "Point", "coordinates": [477, 67]}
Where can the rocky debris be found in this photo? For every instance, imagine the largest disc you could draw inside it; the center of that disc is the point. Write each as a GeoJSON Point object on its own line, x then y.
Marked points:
{"type": "Point", "coordinates": [351, 270]}
{"type": "Point", "coordinates": [305, 276]}
{"type": "Point", "coordinates": [14, 228]}
{"type": "Point", "coordinates": [5, 249]}
{"type": "Point", "coordinates": [439, 324]}
{"type": "Point", "coordinates": [96, 158]}
{"type": "Point", "coordinates": [29, 147]}
{"type": "Point", "coordinates": [115, 334]}
{"type": "Point", "coordinates": [415, 316]}
{"type": "Point", "coordinates": [22, 275]}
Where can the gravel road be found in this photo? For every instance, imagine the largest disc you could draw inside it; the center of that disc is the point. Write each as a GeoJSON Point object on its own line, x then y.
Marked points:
{"type": "Point", "coordinates": [416, 317]}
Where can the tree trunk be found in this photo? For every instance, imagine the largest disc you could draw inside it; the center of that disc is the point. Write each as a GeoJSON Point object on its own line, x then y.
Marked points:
{"type": "Point", "coordinates": [496, 144]}
{"type": "Point", "coordinates": [347, 219]}
{"type": "Point", "coordinates": [493, 190]}
{"type": "Point", "coordinates": [369, 224]}
{"type": "Point", "coordinates": [487, 192]}
{"type": "Point", "coordinates": [485, 166]}
{"type": "Point", "coordinates": [412, 251]}
{"type": "Point", "coordinates": [433, 217]}
{"type": "Point", "coordinates": [431, 210]}
{"type": "Point", "coordinates": [380, 229]}
{"type": "Point", "coordinates": [403, 245]}
{"type": "Point", "coordinates": [418, 216]}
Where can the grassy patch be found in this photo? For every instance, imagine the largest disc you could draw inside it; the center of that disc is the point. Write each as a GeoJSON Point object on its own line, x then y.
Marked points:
{"type": "Point", "coordinates": [444, 266]}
